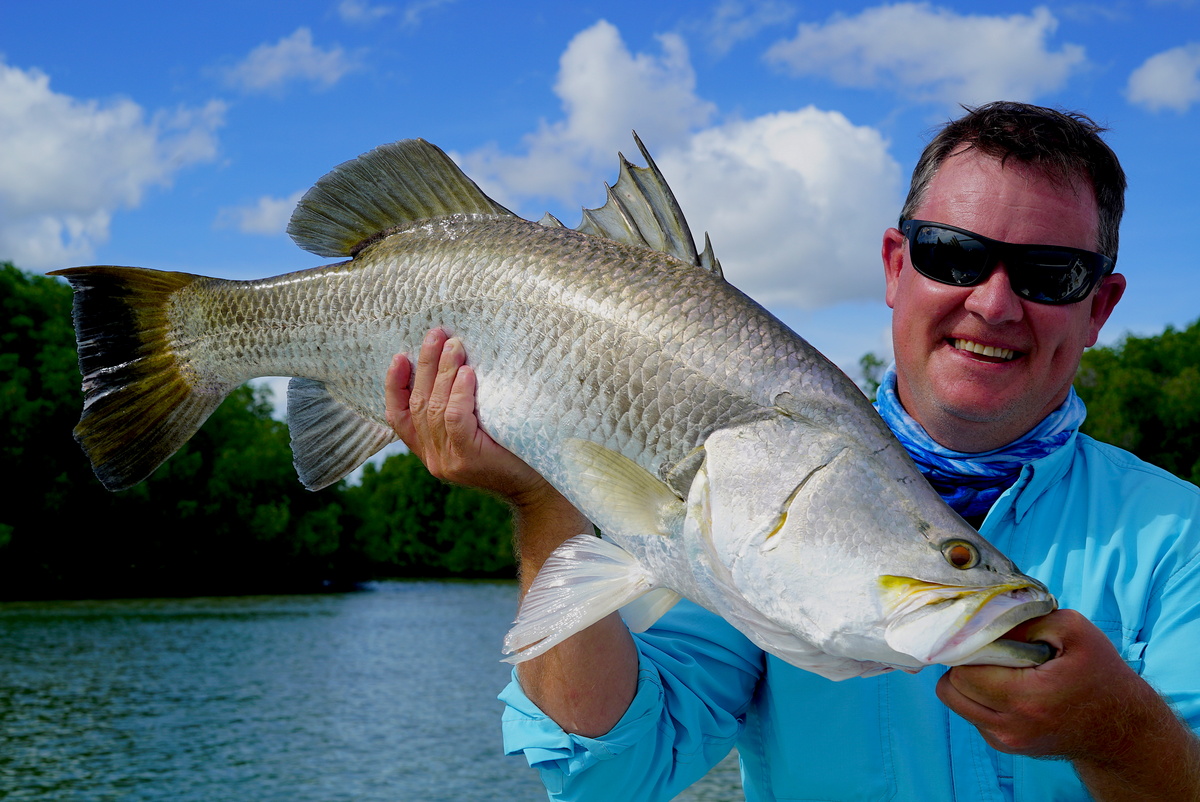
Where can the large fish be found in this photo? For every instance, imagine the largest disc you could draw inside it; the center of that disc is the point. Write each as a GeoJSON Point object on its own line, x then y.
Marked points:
{"type": "Point", "coordinates": [723, 457]}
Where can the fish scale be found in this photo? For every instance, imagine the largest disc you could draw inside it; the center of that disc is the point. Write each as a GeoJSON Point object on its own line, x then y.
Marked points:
{"type": "Point", "coordinates": [723, 457]}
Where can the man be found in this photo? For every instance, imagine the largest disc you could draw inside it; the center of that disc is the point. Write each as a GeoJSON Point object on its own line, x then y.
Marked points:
{"type": "Point", "coordinates": [988, 337]}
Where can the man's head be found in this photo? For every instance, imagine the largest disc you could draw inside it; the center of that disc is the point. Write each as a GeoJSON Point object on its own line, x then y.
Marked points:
{"type": "Point", "coordinates": [1063, 145]}
{"type": "Point", "coordinates": [980, 365]}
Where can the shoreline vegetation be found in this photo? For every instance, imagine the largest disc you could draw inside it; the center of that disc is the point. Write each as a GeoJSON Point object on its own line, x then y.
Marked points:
{"type": "Point", "coordinates": [227, 516]}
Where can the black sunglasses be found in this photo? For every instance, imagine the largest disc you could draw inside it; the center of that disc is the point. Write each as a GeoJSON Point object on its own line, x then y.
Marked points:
{"type": "Point", "coordinates": [1044, 274]}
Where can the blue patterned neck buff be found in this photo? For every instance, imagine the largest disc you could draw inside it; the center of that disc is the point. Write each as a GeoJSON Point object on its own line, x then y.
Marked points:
{"type": "Point", "coordinates": [971, 483]}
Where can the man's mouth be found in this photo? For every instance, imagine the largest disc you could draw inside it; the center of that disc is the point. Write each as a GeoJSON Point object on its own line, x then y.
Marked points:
{"type": "Point", "coordinates": [986, 351]}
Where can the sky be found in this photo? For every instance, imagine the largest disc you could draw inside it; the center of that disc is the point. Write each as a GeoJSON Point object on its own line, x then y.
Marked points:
{"type": "Point", "coordinates": [179, 136]}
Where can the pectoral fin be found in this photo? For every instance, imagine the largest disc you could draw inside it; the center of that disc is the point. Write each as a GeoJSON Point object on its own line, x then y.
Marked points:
{"type": "Point", "coordinates": [584, 580]}
{"type": "Point", "coordinates": [638, 501]}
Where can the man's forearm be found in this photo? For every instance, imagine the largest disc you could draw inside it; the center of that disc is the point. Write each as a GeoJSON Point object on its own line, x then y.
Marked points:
{"type": "Point", "coordinates": [1158, 758]}
{"type": "Point", "coordinates": [587, 682]}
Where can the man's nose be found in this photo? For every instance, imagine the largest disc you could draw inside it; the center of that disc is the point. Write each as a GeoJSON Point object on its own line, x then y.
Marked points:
{"type": "Point", "coordinates": [994, 299]}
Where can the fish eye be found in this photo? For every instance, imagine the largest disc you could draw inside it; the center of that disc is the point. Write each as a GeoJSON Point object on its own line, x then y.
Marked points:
{"type": "Point", "coordinates": [960, 554]}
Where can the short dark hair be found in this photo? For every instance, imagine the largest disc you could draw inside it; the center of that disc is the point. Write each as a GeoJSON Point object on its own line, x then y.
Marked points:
{"type": "Point", "coordinates": [1064, 144]}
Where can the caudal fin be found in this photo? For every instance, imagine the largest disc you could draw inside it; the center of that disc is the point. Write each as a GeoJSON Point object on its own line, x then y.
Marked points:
{"type": "Point", "coordinates": [140, 403]}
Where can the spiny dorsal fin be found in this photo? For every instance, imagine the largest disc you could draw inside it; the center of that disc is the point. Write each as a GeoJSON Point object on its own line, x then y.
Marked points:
{"type": "Point", "coordinates": [642, 210]}
{"type": "Point", "coordinates": [390, 186]}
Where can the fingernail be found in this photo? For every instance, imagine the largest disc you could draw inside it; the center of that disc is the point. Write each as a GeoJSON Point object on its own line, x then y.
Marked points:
{"type": "Point", "coordinates": [431, 337]}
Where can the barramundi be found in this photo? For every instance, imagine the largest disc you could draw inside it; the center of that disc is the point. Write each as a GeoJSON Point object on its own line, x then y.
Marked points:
{"type": "Point", "coordinates": [720, 455]}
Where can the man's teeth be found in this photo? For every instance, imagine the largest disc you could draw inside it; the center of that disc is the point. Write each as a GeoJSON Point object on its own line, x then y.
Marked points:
{"type": "Point", "coordinates": [984, 350]}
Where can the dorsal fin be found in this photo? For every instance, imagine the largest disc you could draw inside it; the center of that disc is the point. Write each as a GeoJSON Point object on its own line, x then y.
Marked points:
{"type": "Point", "coordinates": [642, 210]}
{"type": "Point", "coordinates": [392, 185]}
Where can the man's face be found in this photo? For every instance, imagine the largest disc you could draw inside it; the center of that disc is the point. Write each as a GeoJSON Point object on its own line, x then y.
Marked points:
{"type": "Point", "coordinates": [966, 400]}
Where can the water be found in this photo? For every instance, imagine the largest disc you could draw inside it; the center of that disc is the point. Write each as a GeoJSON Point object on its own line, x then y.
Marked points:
{"type": "Point", "coordinates": [384, 695]}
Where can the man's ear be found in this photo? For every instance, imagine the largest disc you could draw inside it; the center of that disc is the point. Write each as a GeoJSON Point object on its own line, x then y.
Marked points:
{"type": "Point", "coordinates": [1103, 301]}
{"type": "Point", "coordinates": [893, 261]}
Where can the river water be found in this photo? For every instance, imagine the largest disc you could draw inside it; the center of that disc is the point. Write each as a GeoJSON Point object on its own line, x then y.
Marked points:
{"type": "Point", "coordinates": [388, 694]}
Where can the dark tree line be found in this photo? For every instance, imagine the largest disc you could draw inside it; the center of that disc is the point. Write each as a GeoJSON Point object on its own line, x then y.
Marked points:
{"type": "Point", "coordinates": [226, 514]}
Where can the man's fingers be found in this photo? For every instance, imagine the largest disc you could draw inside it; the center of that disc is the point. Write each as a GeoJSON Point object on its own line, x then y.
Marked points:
{"type": "Point", "coordinates": [427, 365]}
{"type": "Point", "coordinates": [961, 698]}
{"type": "Point", "coordinates": [396, 394]}
{"type": "Point", "coordinates": [459, 416]}
{"type": "Point", "coordinates": [452, 357]}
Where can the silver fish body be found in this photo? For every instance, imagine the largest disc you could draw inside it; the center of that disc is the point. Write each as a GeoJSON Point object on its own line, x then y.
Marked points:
{"type": "Point", "coordinates": [724, 458]}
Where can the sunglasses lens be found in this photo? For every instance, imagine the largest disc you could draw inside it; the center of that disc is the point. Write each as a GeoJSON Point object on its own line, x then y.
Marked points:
{"type": "Point", "coordinates": [1050, 276]}
{"type": "Point", "coordinates": [1043, 274]}
{"type": "Point", "coordinates": [950, 257]}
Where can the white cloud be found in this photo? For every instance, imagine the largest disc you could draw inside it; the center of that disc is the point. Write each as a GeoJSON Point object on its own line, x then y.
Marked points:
{"type": "Point", "coordinates": [795, 202]}
{"type": "Point", "coordinates": [934, 54]}
{"type": "Point", "coordinates": [268, 216]}
{"type": "Point", "coordinates": [70, 164]}
{"type": "Point", "coordinates": [269, 68]}
{"type": "Point", "coordinates": [605, 91]}
{"type": "Point", "coordinates": [1170, 79]}
{"type": "Point", "coordinates": [359, 12]}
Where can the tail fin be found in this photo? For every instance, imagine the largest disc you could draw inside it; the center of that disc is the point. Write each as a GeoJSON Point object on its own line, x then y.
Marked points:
{"type": "Point", "coordinates": [140, 402]}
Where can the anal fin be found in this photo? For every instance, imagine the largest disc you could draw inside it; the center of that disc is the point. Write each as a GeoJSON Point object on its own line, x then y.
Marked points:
{"type": "Point", "coordinates": [329, 439]}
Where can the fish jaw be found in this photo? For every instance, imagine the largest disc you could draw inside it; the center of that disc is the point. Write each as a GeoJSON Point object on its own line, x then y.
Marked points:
{"type": "Point", "coordinates": [956, 625]}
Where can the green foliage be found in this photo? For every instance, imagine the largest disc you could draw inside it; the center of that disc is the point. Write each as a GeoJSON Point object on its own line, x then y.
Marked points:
{"type": "Point", "coordinates": [225, 514]}
{"type": "Point", "coordinates": [419, 525]}
{"type": "Point", "coordinates": [1144, 395]}
{"type": "Point", "coordinates": [872, 371]}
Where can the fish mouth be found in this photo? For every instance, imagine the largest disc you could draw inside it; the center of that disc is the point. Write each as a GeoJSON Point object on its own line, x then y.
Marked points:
{"type": "Point", "coordinates": [948, 624]}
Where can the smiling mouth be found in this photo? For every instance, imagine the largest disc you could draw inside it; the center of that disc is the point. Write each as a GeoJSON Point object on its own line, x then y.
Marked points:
{"type": "Point", "coordinates": [987, 351]}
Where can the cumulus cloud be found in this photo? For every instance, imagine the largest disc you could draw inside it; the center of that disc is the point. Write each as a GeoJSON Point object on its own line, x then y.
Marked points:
{"type": "Point", "coordinates": [268, 216]}
{"type": "Point", "coordinates": [605, 91]}
{"type": "Point", "coordinates": [1168, 80]}
{"type": "Point", "coordinates": [934, 54]}
{"type": "Point", "coordinates": [70, 164]}
{"type": "Point", "coordinates": [293, 58]}
{"type": "Point", "coordinates": [795, 201]}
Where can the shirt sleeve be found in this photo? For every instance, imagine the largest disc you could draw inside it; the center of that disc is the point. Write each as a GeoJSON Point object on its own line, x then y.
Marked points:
{"type": "Point", "coordinates": [696, 678]}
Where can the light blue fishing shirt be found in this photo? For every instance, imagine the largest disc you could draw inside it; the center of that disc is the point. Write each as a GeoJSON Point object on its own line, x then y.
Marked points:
{"type": "Point", "coordinates": [1111, 536]}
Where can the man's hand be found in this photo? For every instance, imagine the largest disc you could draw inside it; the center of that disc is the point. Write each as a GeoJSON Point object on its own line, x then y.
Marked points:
{"type": "Point", "coordinates": [1085, 705]}
{"type": "Point", "coordinates": [433, 412]}
{"type": "Point", "coordinates": [432, 409]}
{"type": "Point", "coordinates": [1064, 707]}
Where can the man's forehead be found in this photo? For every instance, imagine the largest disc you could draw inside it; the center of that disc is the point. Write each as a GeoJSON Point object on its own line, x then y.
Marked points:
{"type": "Point", "coordinates": [1009, 166]}
{"type": "Point", "coordinates": [985, 194]}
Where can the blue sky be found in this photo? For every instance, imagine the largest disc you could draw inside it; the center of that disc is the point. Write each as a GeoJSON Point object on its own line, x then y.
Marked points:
{"type": "Point", "coordinates": [178, 136]}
